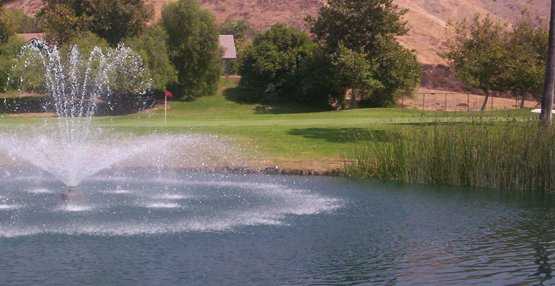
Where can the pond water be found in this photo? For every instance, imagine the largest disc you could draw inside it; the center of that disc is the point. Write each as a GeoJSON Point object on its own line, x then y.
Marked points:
{"type": "Point", "coordinates": [200, 229]}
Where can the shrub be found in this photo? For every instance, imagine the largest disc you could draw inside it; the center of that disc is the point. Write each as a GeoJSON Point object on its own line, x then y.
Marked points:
{"type": "Point", "coordinates": [193, 47]}
{"type": "Point", "coordinates": [152, 46]}
{"type": "Point", "coordinates": [273, 65]}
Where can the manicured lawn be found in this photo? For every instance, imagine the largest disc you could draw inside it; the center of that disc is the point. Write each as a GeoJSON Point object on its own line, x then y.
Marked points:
{"type": "Point", "coordinates": [290, 136]}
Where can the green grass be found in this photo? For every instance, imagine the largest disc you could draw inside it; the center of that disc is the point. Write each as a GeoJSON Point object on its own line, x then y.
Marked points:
{"type": "Point", "coordinates": [284, 133]}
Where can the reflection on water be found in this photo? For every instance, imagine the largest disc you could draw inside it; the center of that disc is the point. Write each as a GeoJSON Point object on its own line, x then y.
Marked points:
{"type": "Point", "coordinates": [195, 229]}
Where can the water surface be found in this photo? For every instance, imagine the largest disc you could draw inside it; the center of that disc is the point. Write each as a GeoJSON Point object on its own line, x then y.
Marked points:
{"type": "Point", "coordinates": [195, 229]}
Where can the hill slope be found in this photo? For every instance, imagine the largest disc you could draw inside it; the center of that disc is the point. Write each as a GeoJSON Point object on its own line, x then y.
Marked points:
{"type": "Point", "coordinates": [428, 19]}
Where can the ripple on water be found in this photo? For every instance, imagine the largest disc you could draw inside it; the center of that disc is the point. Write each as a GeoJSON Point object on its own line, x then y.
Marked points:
{"type": "Point", "coordinates": [171, 197]}
{"type": "Point", "coordinates": [119, 192]}
{"type": "Point", "coordinates": [9, 206]}
{"type": "Point", "coordinates": [162, 205]}
{"type": "Point", "coordinates": [75, 208]}
{"type": "Point", "coordinates": [39, 191]}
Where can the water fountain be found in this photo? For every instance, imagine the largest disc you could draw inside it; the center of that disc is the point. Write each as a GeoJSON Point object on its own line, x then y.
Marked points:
{"type": "Point", "coordinates": [135, 177]}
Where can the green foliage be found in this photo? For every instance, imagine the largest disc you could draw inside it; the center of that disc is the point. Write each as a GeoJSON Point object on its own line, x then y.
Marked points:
{"type": "Point", "coordinates": [8, 53]}
{"type": "Point", "coordinates": [398, 72]}
{"type": "Point", "coordinates": [60, 21]}
{"type": "Point", "coordinates": [524, 69]}
{"type": "Point", "coordinates": [489, 56]}
{"type": "Point", "coordinates": [152, 46]}
{"type": "Point", "coordinates": [85, 42]}
{"type": "Point", "coordinates": [115, 20]}
{"type": "Point", "coordinates": [273, 65]}
{"type": "Point", "coordinates": [505, 156]}
{"type": "Point", "coordinates": [359, 38]}
{"type": "Point", "coordinates": [478, 54]}
{"type": "Point", "coordinates": [359, 25]}
{"type": "Point", "coordinates": [193, 47]}
{"type": "Point", "coordinates": [21, 22]}
{"type": "Point", "coordinates": [112, 20]}
{"type": "Point", "coordinates": [7, 28]}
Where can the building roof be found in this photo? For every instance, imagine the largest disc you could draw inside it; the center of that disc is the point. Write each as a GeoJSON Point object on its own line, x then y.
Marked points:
{"type": "Point", "coordinates": [227, 43]}
{"type": "Point", "coordinates": [27, 37]}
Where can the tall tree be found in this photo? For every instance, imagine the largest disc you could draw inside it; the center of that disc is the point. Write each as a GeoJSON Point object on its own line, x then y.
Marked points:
{"type": "Point", "coordinates": [193, 47]}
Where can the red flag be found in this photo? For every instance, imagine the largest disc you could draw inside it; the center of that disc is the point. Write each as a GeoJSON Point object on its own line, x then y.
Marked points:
{"type": "Point", "coordinates": [168, 94]}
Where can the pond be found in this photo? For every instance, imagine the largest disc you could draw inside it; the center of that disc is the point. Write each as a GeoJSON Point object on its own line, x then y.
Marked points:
{"type": "Point", "coordinates": [179, 228]}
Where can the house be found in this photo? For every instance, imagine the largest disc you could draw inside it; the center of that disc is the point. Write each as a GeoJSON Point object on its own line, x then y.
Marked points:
{"type": "Point", "coordinates": [229, 56]}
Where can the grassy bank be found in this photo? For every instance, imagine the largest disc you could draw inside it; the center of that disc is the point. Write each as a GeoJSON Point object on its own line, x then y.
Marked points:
{"type": "Point", "coordinates": [502, 155]}
{"type": "Point", "coordinates": [288, 136]}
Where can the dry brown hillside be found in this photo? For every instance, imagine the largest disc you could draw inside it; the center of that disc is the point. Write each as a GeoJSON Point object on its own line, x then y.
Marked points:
{"type": "Point", "coordinates": [428, 19]}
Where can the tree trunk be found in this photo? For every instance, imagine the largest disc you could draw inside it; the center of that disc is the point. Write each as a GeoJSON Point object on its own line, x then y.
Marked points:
{"type": "Point", "coordinates": [522, 100]}
{"type": "Point", "coordinates": [549, 85]}
{"type": "Point", "coordinates": [485, 104]}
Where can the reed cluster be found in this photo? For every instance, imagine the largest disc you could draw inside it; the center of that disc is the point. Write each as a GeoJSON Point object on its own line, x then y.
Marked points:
{"type": "Point", "coordinates": [511, 155]}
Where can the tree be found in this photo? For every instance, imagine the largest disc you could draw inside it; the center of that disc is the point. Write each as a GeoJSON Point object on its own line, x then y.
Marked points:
{"type": "Point", "coordinates": [152, 46]}
{"type": "Point", "coordinates": [112, 20]}
{"type": "Point", "coordinates": [60, 21]}
{"type": "Point", "coordinates": [359, 25]}
{"type": "Point", "coordinates": [367, 29]}
{"type": "Point", "coordinates": [524, 70]}
{"type": "Point", "coordinates": [115, 20]}
{"type": "Point", "coordinates": [273, 65]}
{"type": "Point", "coordinates": [478, 55]}
{"type": "Point", "coordinates": [21, 22]}
{"type": "Point", "coordinates": [193, 47]}
{"type": "Point", "coordinates": [7, 28]}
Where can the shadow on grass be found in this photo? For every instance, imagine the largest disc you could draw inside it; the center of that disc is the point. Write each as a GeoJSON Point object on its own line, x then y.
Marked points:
{"type": "Point", "coordinates": [247, 96]}
{"type": "Point", "coordinates": [345, 135]}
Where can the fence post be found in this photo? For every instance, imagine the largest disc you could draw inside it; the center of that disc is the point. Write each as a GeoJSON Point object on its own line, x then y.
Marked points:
{"type": "Point", "coordinates": [467, 102]}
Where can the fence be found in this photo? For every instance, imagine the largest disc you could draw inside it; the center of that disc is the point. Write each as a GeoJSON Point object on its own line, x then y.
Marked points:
{"type": "Point", "coordinates": [454, 101]}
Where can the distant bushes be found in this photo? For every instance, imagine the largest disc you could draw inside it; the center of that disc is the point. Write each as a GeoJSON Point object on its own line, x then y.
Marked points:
{"type": "Point", "coordinates": [504, 156]}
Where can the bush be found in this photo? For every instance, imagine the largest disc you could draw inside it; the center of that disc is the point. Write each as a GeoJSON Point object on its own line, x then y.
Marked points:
{"type": "Point", "coordinates": [193, 47]}
{"type": "Point", "coordinates": [273, 65]}
{"type": "Point", "coordinates": [152, 46]}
